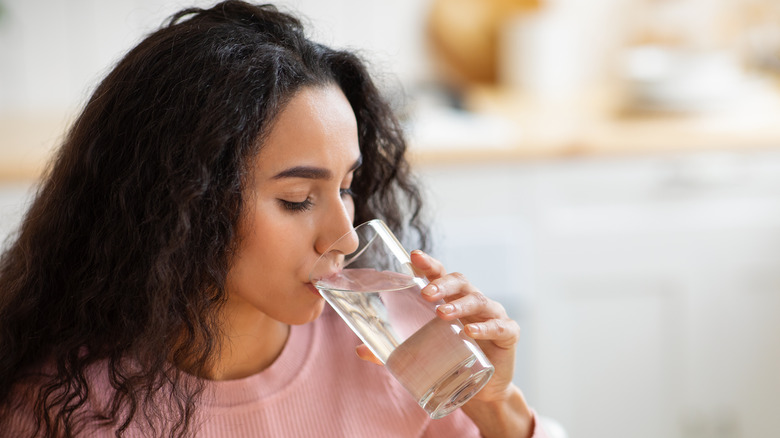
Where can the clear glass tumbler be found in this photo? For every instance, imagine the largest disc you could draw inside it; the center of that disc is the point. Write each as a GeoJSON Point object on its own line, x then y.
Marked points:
{"type": "Point", "coordinates": [376, 292]}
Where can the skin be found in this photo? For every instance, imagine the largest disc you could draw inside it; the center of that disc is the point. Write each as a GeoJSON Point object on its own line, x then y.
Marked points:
{"type": "Point", "coordinates": [298, 205]}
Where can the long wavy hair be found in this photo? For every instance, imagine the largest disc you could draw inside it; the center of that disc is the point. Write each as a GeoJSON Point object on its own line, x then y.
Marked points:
{"type": "Point", "coordinates": [121, 259]}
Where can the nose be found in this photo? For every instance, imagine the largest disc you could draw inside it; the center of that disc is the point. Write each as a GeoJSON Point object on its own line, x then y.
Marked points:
{"type": "Point", "coordinates": [337, 232]}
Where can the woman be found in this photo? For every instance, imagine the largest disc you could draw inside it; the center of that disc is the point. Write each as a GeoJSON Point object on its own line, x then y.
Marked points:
{"type": "Point", "coordinates": [158, 285]}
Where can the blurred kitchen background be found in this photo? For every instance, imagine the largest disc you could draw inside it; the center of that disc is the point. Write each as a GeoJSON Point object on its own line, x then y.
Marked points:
{"type": "Point", "coordinates": [608, 169]}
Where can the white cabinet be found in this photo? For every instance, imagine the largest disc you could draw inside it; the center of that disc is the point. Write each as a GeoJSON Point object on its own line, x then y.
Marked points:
{"type": "Point", "coordinates": [648, 288]}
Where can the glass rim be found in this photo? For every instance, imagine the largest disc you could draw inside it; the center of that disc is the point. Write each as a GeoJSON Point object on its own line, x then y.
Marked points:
{"type": "Point", "coordinates": [380, 230]}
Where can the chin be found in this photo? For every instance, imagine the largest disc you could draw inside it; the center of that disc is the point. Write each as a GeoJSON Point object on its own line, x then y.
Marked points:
{"type": "Point", "coordinates": [308, 315]}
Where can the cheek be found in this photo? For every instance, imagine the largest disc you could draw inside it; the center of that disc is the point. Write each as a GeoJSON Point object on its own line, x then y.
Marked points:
{"type": "Point", "coordinates": [262, 259]}
{"type": "Point", "coordinates": [259, 240]}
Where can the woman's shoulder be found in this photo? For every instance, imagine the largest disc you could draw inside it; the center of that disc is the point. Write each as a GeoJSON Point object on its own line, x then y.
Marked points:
{"type": "Point", "coordinates": [89, 394]}
{"type": "Point", "coordinates": [17, 415]}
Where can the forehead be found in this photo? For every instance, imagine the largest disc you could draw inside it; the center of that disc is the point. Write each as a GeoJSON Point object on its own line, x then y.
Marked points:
{"type": "Point", "coordinates": [316, 128]}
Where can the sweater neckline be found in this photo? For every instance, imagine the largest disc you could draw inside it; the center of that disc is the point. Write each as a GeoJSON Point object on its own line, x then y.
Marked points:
{"type": "Point", "coordinates": [288, 366]}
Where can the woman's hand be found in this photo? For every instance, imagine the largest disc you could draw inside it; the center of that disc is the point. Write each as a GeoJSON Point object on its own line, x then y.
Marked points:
{"type": "Point", "coordinates": [499, 409]}
{"type": "Point", "coordinates": [485, 320]}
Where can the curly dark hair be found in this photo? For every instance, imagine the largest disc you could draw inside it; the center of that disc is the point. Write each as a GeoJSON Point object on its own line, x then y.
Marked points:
{"type": "Point", "coordinates": [122, 257]}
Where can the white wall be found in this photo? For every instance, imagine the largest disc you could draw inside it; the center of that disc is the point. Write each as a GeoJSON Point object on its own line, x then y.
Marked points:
{"type": "Point", "coordinates": [53, 52]}
{"type": "Point", "coordinates": [14, 198]}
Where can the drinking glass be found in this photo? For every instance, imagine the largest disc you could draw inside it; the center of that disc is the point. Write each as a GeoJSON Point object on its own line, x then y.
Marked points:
{"type": "Point", "coordinates": [376, 291]}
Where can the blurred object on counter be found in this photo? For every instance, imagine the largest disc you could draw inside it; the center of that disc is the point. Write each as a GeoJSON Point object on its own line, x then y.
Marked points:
{"type": "Point", "coordinates": [692, 24]}
{"type": "Point", "coordinates": [687, 56]}
{"type": "Point", "coordinates": [761, 38]}
{"type": "Point", "coordinates": [668, 79]}
{"type": "Point", "coordinates": [465, 35]}
{"type": "Point", "coordinates": [445, 119]}
{"type": "Point", "coordinates": [563, 49]}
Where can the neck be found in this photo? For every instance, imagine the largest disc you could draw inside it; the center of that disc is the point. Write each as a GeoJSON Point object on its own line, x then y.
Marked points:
{"type": "Point", "coordinates": [252, 341]}
{"type": "Point", "coordinates": [249, 343]}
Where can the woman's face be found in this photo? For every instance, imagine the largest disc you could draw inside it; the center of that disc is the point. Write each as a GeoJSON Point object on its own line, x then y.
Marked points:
{"type": "Point", "coordinates": [298, 204]}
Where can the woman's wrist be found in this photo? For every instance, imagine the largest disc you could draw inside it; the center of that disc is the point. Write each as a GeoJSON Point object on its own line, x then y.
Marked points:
{"type": "Point", "coordinates": [508, 417]}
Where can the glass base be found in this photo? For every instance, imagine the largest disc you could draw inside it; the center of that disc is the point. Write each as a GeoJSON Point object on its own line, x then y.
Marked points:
{"type": "Point", "coordinates": [454, 390]}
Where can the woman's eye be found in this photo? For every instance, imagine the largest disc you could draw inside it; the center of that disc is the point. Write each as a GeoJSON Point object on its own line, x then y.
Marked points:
{"type": "Point", "coordinates": [296, 206]}
{"type": "Point", "coordinates": [347, 192]}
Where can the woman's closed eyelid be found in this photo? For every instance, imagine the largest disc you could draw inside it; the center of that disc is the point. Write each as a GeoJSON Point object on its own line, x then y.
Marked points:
{"type": "Point", "coordinates": [296, 206]}
{"type": "Point", "coordinates": [307, 204]}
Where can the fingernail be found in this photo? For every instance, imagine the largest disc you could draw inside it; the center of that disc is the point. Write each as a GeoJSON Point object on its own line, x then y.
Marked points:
{"type": "Point", "coordinates": [474, 329]}
{"type": "Point", "coordinates": [431, 290]}
{"type": "Point", "coordinates": [446, 309]}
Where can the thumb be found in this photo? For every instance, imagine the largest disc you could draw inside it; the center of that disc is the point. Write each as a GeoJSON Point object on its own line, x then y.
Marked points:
{"type": "Point", "coordinates": [364, 353]}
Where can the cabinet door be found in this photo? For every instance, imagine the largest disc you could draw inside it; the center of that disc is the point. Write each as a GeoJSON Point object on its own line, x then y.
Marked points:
{"type": "Point", "coordinates": [606, 353]}
{"type": "Point", "coordinates": [653, 289]}
{"type": "Point", "coordinates": [647, 288]}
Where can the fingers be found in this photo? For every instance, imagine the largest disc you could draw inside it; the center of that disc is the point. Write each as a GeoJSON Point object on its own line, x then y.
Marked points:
{"type": "Point", "coordinates": [427, 265]}
{"type": "Point", "coordinates": [450, 286]}
{"type": "Point", "coordinates": [484, 318]}
{"type": "Point", "coordinates": [434, 271]}
{"type": "Point", "coordinates": [441, 285]}
{"type": "Point", "coordinates": [468, 301]}
{"type": "Point", "coordinates": [463, 299]}
{"type": "Point", "coordinates": [503, 332]}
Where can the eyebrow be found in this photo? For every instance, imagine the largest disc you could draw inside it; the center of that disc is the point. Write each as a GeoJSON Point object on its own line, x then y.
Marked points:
{"type": "Point", "coordinates": [310, 172]}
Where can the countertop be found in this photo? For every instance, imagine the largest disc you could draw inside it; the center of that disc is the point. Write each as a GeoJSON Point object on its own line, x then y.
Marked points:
{"type": "Point", "coordinates": [599, 123]}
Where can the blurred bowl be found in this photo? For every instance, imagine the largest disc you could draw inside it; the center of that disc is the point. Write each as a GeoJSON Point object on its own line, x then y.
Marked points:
{"type": "Point", "coordinates": [668, 79]}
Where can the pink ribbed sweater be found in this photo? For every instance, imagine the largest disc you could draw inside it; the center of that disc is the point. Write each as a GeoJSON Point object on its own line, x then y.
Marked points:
{"type": "Point", "coordinates": [317, 387]}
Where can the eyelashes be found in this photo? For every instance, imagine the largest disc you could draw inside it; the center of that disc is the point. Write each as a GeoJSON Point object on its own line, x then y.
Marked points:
{"type": "Point", "coordinates": [296, 206]}
{"type": "Point", "coordinates": [307, 204]}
